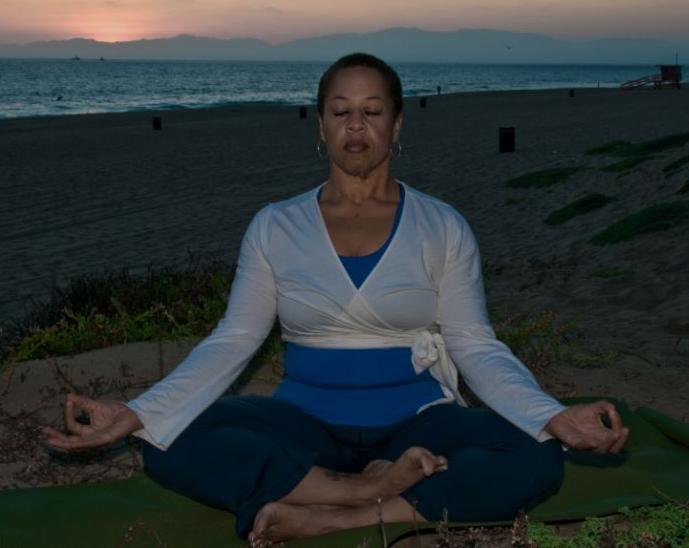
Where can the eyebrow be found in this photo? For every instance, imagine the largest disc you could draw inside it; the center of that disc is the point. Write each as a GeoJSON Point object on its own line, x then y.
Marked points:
{"type": "Point", "coordinates": [365, 98]}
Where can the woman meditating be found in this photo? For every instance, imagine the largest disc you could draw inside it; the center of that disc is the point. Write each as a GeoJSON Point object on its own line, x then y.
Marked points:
{"type": "Point", "coordinates": [379, 294]}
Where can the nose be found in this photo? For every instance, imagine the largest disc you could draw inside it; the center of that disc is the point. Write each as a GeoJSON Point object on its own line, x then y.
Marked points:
{"type": "Point", "coordinates": [355, 121]}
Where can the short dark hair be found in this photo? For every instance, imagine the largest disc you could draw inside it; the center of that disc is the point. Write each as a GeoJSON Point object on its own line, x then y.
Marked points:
{"type": "Point", "coordinates": [392, 79]}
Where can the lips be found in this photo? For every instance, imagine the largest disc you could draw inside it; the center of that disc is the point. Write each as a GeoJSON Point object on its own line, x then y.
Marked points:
{"type": "Point", "coordinates": [355, 146]}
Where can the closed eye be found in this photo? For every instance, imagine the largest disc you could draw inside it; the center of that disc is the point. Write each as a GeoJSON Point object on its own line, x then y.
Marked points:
{"type": "Point", "coordinates": [374, 113]}
{"type": "Point", "coordinates": [341, 113]}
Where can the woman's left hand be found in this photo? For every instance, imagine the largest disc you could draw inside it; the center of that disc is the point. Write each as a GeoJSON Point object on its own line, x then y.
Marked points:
{"type": "Point", "coordinates": [582, 427]}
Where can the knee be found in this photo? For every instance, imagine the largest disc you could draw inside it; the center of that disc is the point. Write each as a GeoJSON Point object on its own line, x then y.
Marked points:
{"type": "Point", "coordinates": [160, 465]}
{"type": "Point", "coordinates": [547, 470]}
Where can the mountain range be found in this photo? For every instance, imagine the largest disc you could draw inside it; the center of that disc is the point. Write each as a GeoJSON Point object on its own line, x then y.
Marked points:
{"type": "Point", "coordinates": [394, 45]}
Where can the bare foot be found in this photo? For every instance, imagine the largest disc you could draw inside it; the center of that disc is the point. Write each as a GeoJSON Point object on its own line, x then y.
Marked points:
{"type": "Point", "coordinates": [376, 468]}
{"type": "Point", "coordinates": [393, 478]}
{"type": "Point", "coordinates": [278, 521]}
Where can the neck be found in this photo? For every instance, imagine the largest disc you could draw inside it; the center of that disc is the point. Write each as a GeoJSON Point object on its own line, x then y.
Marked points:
{"type": "Point", "coordinates": [342, 187]}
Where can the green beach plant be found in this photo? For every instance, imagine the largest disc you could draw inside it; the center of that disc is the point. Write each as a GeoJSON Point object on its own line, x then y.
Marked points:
{"type": "Point", "coordinates": [584, 205]}
{"type": "Point", "coordinates": [613, 148]}
{"type": "Point", "coordinates": [662, 526]}
{"type": "Point", "coordinates": [627, 164]}
{"type": "Point", "coordinates": [609, 273]}
{"type": "Point", "coordinates": [119, 307]}
{"type": "Point", "coordinates": [643, 527]}
{"type": "Point", "coordinates": [543, 178]}
{"type": "Point", "coordinates": [673, 167]}
{"type": "Point", "coordinates": [633, 154]}
{"type": "Point", "coordinates": [538, 340]}
{"type": "Point", "coordinates": [655, 218]}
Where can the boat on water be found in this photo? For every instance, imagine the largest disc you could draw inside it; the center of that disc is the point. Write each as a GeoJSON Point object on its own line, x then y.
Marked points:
{"type": "Point", "coordinates": [76, 58]}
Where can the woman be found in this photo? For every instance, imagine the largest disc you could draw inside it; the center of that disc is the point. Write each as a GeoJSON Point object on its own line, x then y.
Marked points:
{"type": "Point", "coordinates": [379, 293]}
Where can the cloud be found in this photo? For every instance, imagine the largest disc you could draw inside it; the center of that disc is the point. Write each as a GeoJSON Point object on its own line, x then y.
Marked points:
{"type": "Point", "coordinates": [273, 10]}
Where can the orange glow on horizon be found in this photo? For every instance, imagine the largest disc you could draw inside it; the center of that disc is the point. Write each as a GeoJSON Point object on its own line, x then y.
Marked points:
{"type": "Point", "coordinates": [281, 20]}
{"type": "Point", "coordinates": [99, 24]}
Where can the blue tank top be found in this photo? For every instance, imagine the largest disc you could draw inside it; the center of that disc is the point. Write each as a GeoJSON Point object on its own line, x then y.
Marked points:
{"type": "Point", "coordinates": [357, 387]}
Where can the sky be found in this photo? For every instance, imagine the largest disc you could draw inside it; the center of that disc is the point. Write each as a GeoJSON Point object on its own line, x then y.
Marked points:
{"type": "Point", "coordinates": [23, 21]}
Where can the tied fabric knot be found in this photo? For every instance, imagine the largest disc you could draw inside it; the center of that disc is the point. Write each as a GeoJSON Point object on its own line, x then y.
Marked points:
{"type": "Point", "coordinates": [426, 350]}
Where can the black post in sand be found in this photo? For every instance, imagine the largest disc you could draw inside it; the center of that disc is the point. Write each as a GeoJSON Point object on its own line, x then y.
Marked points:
{"type": "Point", "coordinates": [302, 113]}
{"type": "Point", "coordinates": [507, 137]}
{"type": "Point", "coordinates": [422, 102]}
{"type": "Point", "coordinates": [157, 123]}
{"type": "Point", "coordinates": [571, 93]}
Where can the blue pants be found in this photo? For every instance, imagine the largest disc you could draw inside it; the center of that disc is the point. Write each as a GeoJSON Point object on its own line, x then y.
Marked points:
{"type": "Point", "coordinates": [246, 451]}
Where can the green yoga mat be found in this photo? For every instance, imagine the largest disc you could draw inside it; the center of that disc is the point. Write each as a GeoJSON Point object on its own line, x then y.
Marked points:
{"type": "Point", "coordinates": [138, 513]}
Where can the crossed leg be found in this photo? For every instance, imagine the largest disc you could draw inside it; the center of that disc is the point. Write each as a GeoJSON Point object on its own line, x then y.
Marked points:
{"type": "Point", "coordinates": [268, 463]}
{"type": "Point", "coordinates": [493, 471]}
{"type": "Point", "coordinates": [326, 500]}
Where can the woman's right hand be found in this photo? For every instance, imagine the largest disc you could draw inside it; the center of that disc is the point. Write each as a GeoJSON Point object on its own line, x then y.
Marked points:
{"type": "Point", "coordinates": [109, 421]}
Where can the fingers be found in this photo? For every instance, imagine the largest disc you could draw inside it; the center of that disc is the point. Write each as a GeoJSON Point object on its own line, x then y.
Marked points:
{"type": "Point", "coordinates": [63, 442]}
{"type": "Point", "coordinates": [615, 419]}
{"type": "Point", "coordinates": [82, 402]}
{"type": "Point", "coordinates": [582, 427]}
{"type": "Point", "coordinates": [75, 401]}
{"type": "Point", "coordinates": [616, 434]}
{"type": "Point", "coordinates": [621, 442]}
{"type": "Point", "coordinates": [80, 436]}
{"type": "Point", "coordinates": [618, 431]}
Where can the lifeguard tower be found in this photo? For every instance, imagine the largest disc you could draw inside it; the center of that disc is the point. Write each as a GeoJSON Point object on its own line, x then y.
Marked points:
{"type": "Point", "coordinates": [670, 75]}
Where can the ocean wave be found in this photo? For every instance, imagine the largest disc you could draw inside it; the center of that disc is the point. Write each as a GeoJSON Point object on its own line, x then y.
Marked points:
{"type": "Point", "coordinates": [58, 87]}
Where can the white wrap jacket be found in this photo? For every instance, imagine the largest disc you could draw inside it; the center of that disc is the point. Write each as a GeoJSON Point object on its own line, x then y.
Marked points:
{"type": "Point", "coordinates": [426, 292]}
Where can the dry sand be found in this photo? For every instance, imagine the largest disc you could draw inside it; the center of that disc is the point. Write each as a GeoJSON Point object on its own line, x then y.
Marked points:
{"type": "Point", "coordinates": [86, 192]}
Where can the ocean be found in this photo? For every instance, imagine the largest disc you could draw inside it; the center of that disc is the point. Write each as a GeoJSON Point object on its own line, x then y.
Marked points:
{"type": "Point", "coordinates": [39, 87]}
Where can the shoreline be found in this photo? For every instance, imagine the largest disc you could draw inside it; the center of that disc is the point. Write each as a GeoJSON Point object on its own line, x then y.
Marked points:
{"type": "Point", "coordinates": [248, 105]}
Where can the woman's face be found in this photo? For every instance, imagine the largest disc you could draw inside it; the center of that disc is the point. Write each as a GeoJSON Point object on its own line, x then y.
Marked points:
{"type": "Point", "coordinates": [359, 123]}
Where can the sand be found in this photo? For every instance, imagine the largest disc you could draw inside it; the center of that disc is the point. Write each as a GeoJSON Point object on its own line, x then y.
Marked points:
{"type": "Point", "coordinates": [84, 193]}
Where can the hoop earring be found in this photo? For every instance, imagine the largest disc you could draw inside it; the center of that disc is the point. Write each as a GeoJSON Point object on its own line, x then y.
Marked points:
{"type": "Point", "coordinates": [320, 153]}
{"type": "Point", "coordinates": [396, 152]}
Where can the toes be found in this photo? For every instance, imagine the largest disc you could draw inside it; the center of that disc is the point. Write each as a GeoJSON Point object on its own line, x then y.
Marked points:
{"type": "Point", "coordinates": [257, 537]}
{"type": "Point", "coordinates": [429, 463]}
{"type": "Point", "coordinates": [441, 464]}
{"type": "Point", "coordinates": [257, 540]}
{"type": "Point", "coordinates": [428, 466]}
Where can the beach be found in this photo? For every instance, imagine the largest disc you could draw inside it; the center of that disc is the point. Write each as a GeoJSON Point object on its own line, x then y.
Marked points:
{"type": "Point", "coordinates": [85, 193]}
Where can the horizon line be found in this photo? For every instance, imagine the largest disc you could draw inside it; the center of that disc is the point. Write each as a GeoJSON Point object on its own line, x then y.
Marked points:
{"type": "Point", "coordinates": [278, 43]}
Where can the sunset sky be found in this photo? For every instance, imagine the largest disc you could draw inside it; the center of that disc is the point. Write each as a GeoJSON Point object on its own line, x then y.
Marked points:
{"type": "Point", "coordinates": [23, 21]}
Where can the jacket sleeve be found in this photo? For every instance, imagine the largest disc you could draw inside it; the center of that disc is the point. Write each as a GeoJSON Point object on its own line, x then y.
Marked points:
{"type": "Point", "coordinates": [170, 405]}
{"type": "Point", "coordinates": [488, 366]}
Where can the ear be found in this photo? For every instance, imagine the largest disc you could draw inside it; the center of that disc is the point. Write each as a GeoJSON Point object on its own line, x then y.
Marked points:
{"type": "Point", "coordinates": [320, 128]}
{"type": "Point", "coordinates": [397, 128]}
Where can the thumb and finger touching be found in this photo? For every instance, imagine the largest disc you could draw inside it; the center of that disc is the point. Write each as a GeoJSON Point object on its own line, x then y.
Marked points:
{"type": "Point", "coordinates": [109, 422]}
